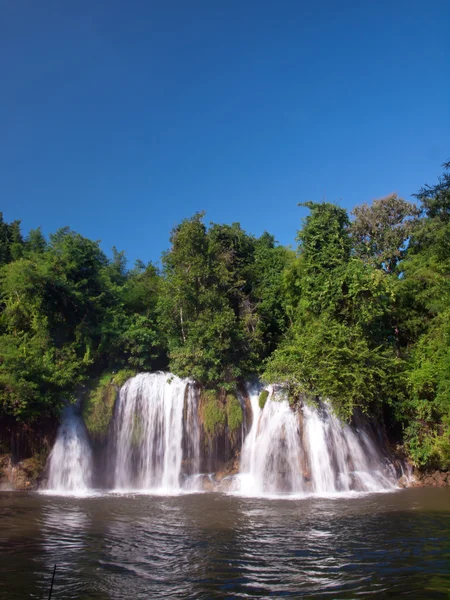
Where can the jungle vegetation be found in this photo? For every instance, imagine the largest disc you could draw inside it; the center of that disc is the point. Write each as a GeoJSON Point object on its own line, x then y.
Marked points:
{"type": "Point", "coordinates": [359, 313]}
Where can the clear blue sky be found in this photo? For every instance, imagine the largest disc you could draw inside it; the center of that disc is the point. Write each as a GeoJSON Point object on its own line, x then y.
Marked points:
{"type": "Point", "coordinates": [120, 119]}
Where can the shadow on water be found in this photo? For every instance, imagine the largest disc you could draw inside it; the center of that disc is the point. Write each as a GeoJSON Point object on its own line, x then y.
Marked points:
{"type": "Point", "coordinates": [218, 546]}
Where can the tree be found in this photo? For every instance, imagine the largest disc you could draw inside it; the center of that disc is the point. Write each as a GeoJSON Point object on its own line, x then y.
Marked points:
{"type": "Point", "coordinates": [216, 301]}
{"type": "Point", "coordinates": [424, 292]}
{"type": "Point", "coordinates": [11, 241]}
{"type": "Point", "coordinates": [435, 199]}
{"type": "Point", "coordinates": [339, 345]}
{"type": "Point", "coordinates": [324, 246]}
{"type": "Point", "coordinates": [380, 232]}
{"type": "Point", "coordinates": [35, 241]}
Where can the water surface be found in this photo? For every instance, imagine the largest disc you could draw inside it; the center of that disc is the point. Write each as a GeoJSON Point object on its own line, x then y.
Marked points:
{"type": "Point", "coordinates": [217, 546]}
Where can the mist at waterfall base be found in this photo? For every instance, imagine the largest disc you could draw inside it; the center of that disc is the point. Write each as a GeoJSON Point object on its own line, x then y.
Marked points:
{"type": "Point", "coordinates": [156, 444]}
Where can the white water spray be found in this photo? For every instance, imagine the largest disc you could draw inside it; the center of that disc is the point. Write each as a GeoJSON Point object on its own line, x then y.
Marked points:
{"type": "Point", "coordinates": [309, 451]}
{"type": "Point", "coordinates": [271, 455]}
{"type": "Point", "coordinates": [148, 432]}
{"type": "Point", "coordinates": [70, 461]}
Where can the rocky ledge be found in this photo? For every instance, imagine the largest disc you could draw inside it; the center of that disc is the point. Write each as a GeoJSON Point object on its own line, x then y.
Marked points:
{"type": "Point", "coordinates": [22, 475]}
{"type": "Point", "coordinates": [427, 479]}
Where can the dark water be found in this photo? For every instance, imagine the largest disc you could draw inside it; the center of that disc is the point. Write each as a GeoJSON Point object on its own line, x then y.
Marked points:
{"type": "Point", "coordinates": [216, 546]}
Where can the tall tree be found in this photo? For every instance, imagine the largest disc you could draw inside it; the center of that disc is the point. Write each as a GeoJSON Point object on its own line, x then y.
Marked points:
{"type": "Point", "coordinates": [424, 292]}
{"type": "Point", "coordinates": [338, 345]}
{"type": "Point", "coordinates": [380, 231]}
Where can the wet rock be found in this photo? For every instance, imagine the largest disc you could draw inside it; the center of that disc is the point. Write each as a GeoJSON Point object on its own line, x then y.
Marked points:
{"type": "Point", "coordinates": [23, 475]}
{"type": "Point", "coordinates": [209, 483]}
{"type": "Point", "coordinates": [433, 479]}
{"type": "Point", "coordinates": [306, 475]}
{"type": "Point", "coordinates": [227, 484]}
{"type": "Point", "coordinates": [441, 479]}
{"type": "Point", "coordinates": [416, 483]}
{"type": "Point", "coordinates": [403, 482]}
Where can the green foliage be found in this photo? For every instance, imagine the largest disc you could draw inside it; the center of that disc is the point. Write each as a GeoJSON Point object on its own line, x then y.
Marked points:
{"type": "Point", "coordinates": [424, 324]}
{"type": "Point", "coordinates": [380, 231]}
{"type": "Point", "coordinates": [435, 199]}
{"type": "Point", "coordinates": [219, 303]}
{"type": "Point", "coordinates": [335, 361]}
{"type": "Point", "coordinates": [98, 404]}
{"type": "Point", "coordinates": [339, 345]}
{"type": "Point", "coordinates": [11, 241]}
{"type": "Point", "coordinates": [234, 412]}
{"type": "Point", "coordinates": [358, 315]}
{"type": "Point", "coordinates": [213, 412]}
{"type": "Point", "coordinates": [122, 376]}
{"type": "Point", "coordinates": [67, 313]}
{"type": "Point", "coordinates": [263, 399]}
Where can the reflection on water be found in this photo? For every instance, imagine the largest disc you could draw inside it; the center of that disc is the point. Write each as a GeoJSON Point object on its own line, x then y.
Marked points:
{"type": "Point", "coordinates": [218, 546]}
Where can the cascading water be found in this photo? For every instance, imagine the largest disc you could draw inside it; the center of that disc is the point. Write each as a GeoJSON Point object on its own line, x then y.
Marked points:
{"type": "Point", "coordinates": [148, 432]}
{"type": "Point", "coordinates": [310, 451]}
{"type": "Point", "coordinates": [341, 458]}
{"type": "Point", "coordinates": [70, 461]}
{"type": "Point", "coordinates": [156, 442]}
{"type": "Point", "coordinates": [271, 455]}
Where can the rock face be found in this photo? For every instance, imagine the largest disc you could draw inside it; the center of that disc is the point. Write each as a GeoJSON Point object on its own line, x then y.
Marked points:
{"type": "Point", "coordinates": [23, 452]}
{"type": "Point", "coordinates": [427, 479]}
{"type": "Point", "coordinates": [22, 475]}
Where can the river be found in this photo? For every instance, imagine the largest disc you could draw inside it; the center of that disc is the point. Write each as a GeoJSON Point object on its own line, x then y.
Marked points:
{"type": "Point", "coordinates": [213, 545]}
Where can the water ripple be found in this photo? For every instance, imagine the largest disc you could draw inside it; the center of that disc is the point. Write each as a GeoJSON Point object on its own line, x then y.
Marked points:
{"type": "Point", "coordinates": [219, 546]}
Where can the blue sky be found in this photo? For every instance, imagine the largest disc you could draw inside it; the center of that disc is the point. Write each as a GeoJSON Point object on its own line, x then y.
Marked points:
{"type": "Point", "coordinates": [120, 119]}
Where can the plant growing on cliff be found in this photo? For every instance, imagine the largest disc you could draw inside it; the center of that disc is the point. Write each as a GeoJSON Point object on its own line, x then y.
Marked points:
{"type": "Point", "coordinates": [234, 413]}
{"type": "Point", "coordinates": [212, 412]}
{"type": "Point", "coordinates": [263, 399]}
{"type": "Point", "coordinates": [98, 403]}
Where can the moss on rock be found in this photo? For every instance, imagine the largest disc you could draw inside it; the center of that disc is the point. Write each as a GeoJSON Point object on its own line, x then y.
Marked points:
{"type": "Point", "coordinates": [263, 398]}
{"type": "Point", "coordinates": [234, 412]}
{"type": "Point", "coordinates": [213, 412]}
{"type": "Point", "coordinates": [122, 376]}
{"type": "Point", "coordinates": [98, 405]}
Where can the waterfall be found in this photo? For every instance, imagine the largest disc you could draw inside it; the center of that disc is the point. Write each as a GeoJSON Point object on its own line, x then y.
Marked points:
{"type": "Point", "coordinates": [308, 451]}
{"type": "Point", "coordinates": [70, 461]}
{"type": "Point", "coordinates": [156, 442]}
{"type": "Point", "coordinates": [148, 432]}
{"type": "Point", "coordinates": [271, 455]}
